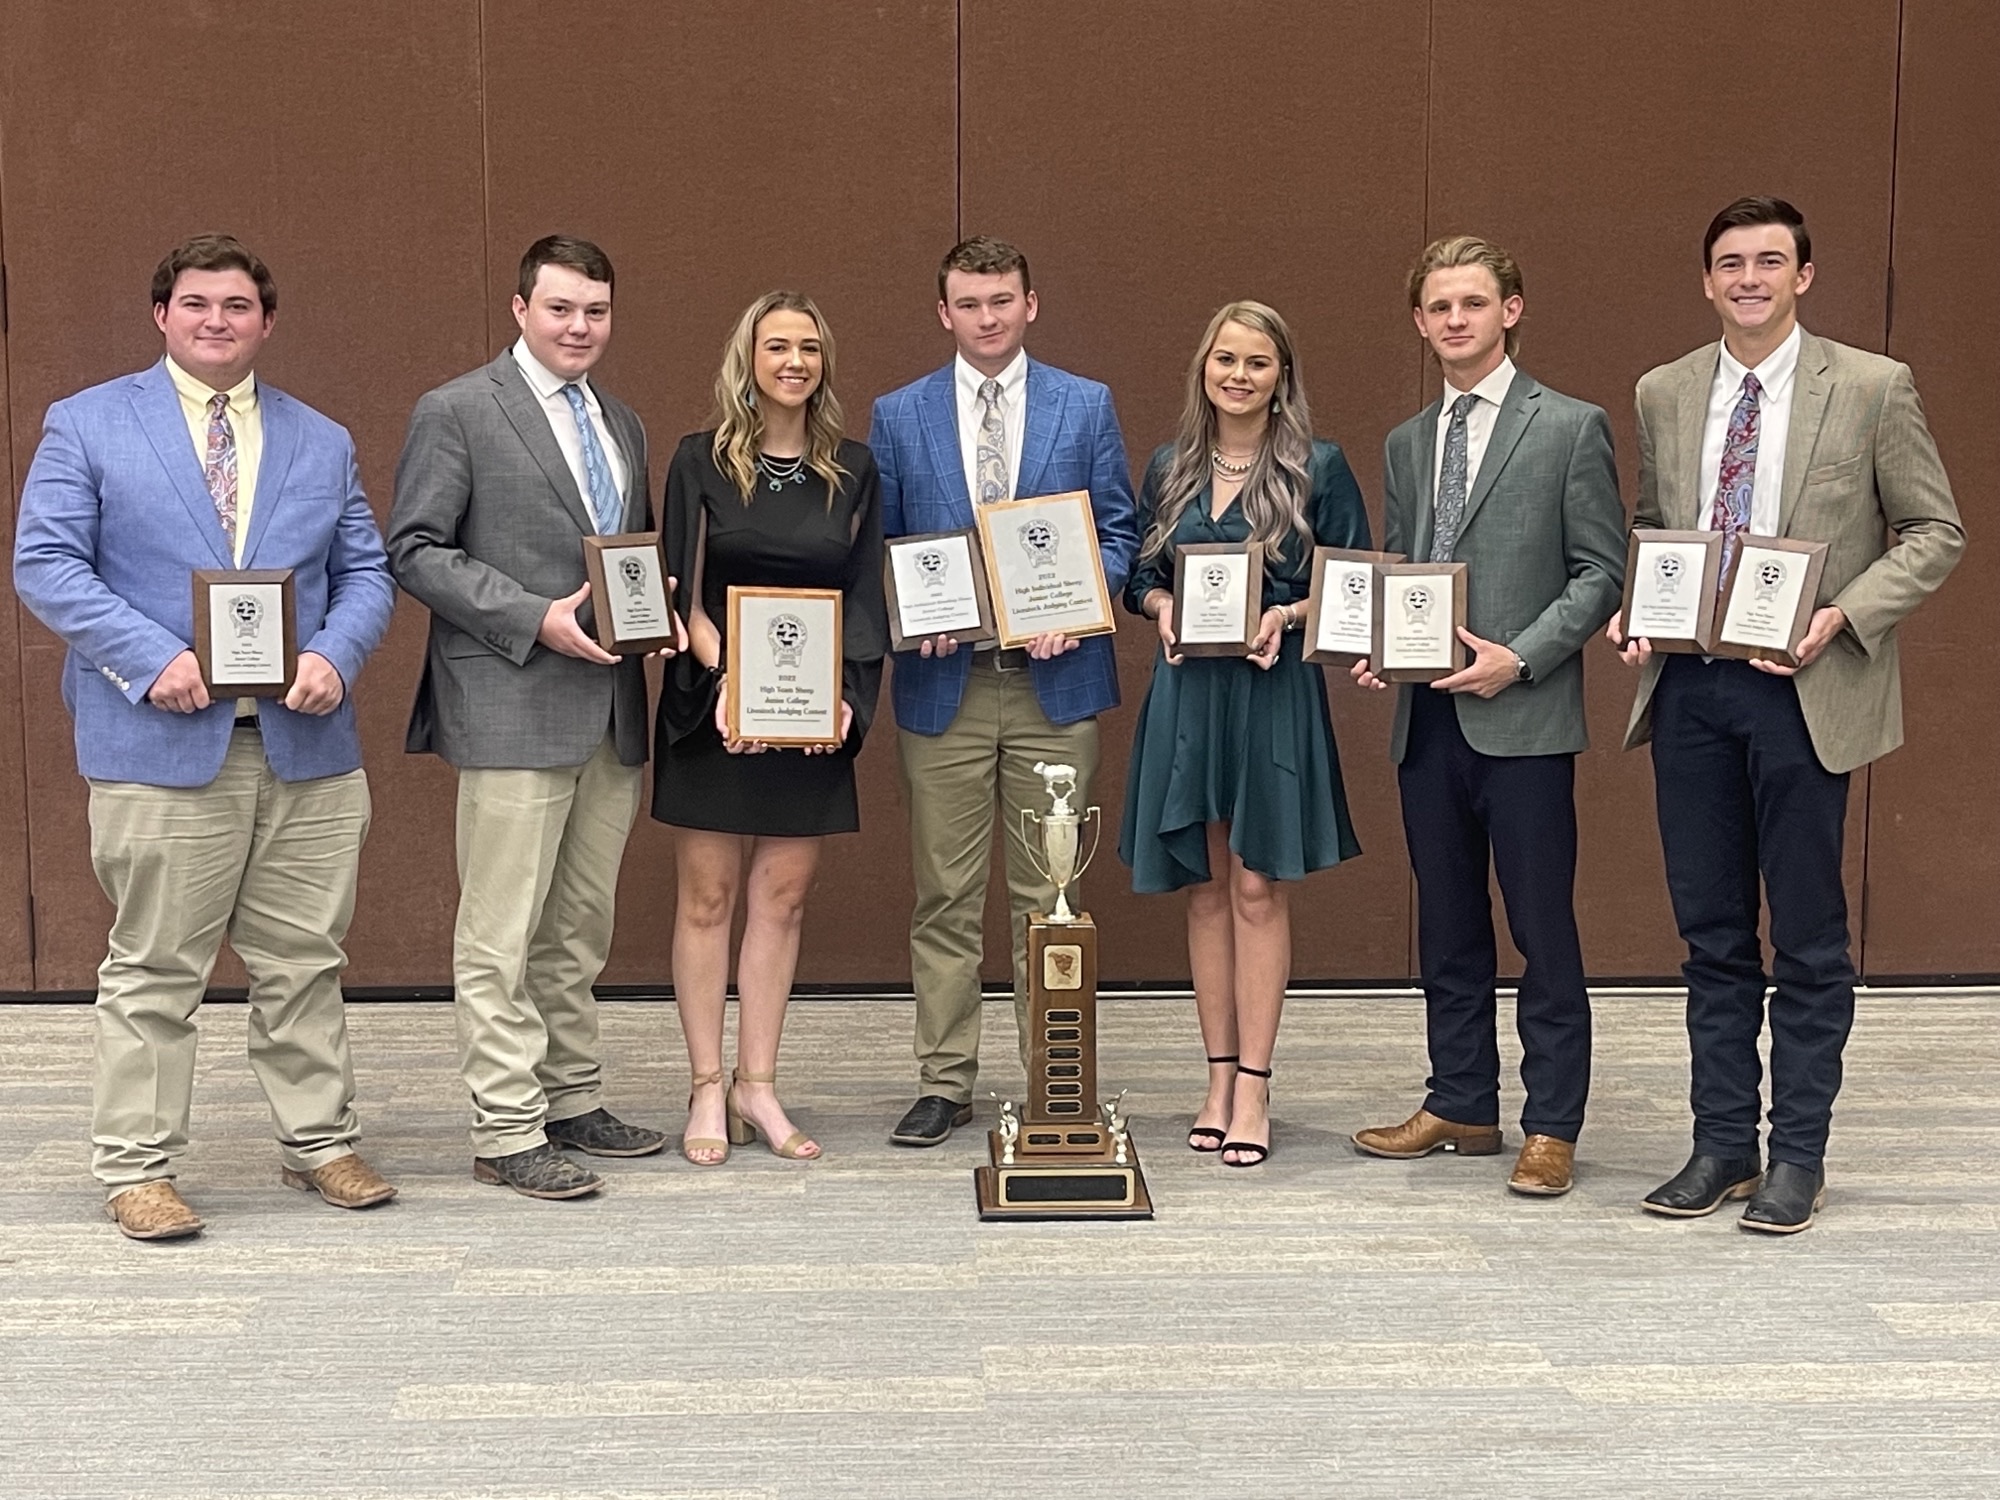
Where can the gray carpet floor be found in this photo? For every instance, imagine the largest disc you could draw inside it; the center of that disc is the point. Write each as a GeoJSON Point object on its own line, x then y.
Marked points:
{"type": "Point", "coordinates": [1327, 1325]}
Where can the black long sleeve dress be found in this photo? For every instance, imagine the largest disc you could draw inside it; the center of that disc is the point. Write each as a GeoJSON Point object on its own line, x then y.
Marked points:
{"type": "Point", "coordinates": [789, 537]}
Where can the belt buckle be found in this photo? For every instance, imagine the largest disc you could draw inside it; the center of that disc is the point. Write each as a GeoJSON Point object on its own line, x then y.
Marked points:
{"type": "Point", "coordinates": [1011, 659]}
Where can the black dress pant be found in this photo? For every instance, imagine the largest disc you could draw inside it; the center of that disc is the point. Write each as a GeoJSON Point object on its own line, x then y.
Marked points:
{"type": "Point", "coordinates": [1461, 808]}
{"type": "Point", "coordinates": [1742, 793]}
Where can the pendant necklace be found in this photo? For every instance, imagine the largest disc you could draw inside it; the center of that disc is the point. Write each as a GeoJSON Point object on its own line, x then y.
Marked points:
{"type": "Point", "coordinates": [779, 472]}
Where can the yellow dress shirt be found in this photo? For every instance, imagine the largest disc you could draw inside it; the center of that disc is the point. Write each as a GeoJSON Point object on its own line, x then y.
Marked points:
{"type": "Point", "coordinates": [246, 420]}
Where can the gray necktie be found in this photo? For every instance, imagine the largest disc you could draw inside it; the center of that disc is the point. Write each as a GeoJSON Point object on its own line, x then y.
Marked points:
{"type": "Point", "coordinates": [1451, 482]}
{"type": "Point", "coordinates": [990, 456]}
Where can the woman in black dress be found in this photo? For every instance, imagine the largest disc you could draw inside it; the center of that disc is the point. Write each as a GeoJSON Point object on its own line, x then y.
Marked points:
{"type": "Point", "coordinates": [774, 496]}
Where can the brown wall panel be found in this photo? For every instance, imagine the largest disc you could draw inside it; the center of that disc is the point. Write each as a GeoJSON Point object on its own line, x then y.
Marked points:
{"type": "Point", "coordinates": [1597, 153]}
{"type": "Point", "coordinates": [1148, 187]}
{"type": "Point", "coordinates": [713, 167]}
{"type": "Point", "coordinates": [357, 178]}
{"type": "Point", "coordinates": [17, 969]}
{"type": "Point", "coordinates": [391, 161]}
{"type": "Point", "coordinates": [1934, 816]}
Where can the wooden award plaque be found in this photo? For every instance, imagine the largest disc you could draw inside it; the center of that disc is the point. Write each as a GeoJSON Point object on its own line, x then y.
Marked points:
{"type": "Point", "coordinates": [784, 658]}
{"type": "Point", "coordinates": [631, 606]}
{"type": "Point", "coordinates": [1193, 588]}
{"type": "Point", "coordinates": [1672, 582]}
{"type": "Point", "coordinates": [1770, 591]}
{"type": "Point", "coordinates": [1043, 569]}
{"type": "Point", "coordinates": [1442, 599]}
{"type": "Point", "coordinates": [1341, 630]}
{"type": "Point", "coordinates": [950, 596]}
{"type": "Point", "coordinates": [1066, 1162]}
{"type": "Point", "coordinates": [246, 631]}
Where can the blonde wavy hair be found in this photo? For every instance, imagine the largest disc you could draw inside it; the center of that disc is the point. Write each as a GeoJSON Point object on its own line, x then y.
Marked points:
{"type": "Point", "coordinates": [1279, 483]}
{"type": "Point", "coordinates": [739, 425]}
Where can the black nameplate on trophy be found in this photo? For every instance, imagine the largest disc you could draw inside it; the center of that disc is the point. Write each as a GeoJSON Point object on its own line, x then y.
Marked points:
{"type": "Point", "coordinates": [1067, 1187]}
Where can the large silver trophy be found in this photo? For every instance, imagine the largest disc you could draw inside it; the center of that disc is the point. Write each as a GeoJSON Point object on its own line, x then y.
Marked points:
{"type": "Point", "coordinates": [1067, 1155]}
{"type": "Point", "coordinates": [1059, 840]}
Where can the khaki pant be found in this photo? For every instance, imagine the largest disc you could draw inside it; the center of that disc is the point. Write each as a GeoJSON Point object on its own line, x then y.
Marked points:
{"type": "Point", "coordinates": [538, 857]}
{"type": "Point", "coordinates": [953, 781]}
{"type": "Point", "coordinates": [269, 863]}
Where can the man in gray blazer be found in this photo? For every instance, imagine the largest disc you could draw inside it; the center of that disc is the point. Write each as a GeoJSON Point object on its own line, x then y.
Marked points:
{"type": "Point", "coordinates": [1517, 482]}
{"type": "Point", "coordinates": [1773, 431]}
{"type": "Point", "coordinates": [504, 472]}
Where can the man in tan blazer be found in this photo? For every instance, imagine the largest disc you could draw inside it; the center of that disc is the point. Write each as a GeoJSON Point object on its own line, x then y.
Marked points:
{"type": "Point", "coordinates": [1775, 432]}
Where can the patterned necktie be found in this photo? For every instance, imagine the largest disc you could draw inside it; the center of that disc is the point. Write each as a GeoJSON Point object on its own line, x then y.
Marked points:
{"type": "Point", "coordinates": [1451, 482]}
{"type": "Point", "coordinates": [990, 457]}
{"type": "Point", "coordinates": [219, 466]}
{"type": "Point", "coordinates": [605, 508]}
{"type": "Point", "coordinates": [1736, 476]}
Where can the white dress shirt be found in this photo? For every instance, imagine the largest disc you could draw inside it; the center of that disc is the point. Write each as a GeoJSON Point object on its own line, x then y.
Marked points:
{"type": "Point", "coordinates": [1774, 425]}
{"type": "Point", "coordinates": [548, 389]}
{"type": "Point", "coordinates": [1478, 423]}
{"type": "Point", "coordinates": [1013, 418]}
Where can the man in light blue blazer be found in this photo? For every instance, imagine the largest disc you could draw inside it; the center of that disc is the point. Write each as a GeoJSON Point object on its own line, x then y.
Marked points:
{"type": "Point", "coordinates": [995, 425]}
{"type": "Point", "coordinates": [208, 817]}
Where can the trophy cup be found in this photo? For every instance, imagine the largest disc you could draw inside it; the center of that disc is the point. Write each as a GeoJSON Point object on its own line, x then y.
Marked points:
{"type": "Point", "coordinates": [1066, 1155]}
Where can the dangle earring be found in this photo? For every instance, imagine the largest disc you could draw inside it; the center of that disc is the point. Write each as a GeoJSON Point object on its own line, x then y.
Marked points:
{"type": "Point", "coordinates": [750, 398]}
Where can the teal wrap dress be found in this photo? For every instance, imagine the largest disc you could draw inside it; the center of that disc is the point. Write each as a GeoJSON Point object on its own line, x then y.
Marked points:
{"type": "Point", "coordinates": [1221, 740]}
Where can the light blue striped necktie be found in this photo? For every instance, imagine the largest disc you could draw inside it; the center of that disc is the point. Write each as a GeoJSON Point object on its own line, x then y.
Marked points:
{"type": "Point", "coordinates": [606, 509]}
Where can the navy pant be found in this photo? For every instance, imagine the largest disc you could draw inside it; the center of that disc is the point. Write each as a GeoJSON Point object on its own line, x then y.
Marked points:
{"type": "Point", "coordinates": [1742, 793]}
{"type": "Point", "coordinates": [1460, 809]}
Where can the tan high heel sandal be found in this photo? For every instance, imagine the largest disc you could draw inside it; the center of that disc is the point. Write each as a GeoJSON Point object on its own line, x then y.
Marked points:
{"type": "Point", "coordinates": [705, 1143]}
{"type": "Point", "coordinates": [742, 1132]}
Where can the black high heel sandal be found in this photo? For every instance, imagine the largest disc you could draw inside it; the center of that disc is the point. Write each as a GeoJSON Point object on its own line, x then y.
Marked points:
{"type": "Point", "coordinates": [1243, 1146]}
{"type": "Point", "coordinates": [1208, 1132]}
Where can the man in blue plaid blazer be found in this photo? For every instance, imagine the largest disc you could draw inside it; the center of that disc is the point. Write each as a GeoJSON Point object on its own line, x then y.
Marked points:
{"type": "Point", "coordinates": [993, 424]}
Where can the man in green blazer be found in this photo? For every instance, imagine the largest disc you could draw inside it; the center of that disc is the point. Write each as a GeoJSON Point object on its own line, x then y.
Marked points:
{"type": "Point", "coordinates": [1775, 432]}
{"type": "Point", "coordinates": [1516, 481]}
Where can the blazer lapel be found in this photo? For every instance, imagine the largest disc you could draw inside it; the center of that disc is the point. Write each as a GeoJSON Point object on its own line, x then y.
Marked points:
{"type": "Point", "coordinates": [159, 407]}
{"type": "Point", "coordinates": [1423, 464]}
{"type": "Point", "coordinates": [1038, 438]}
{"type": "Point", "coordinates": [939, 406]}
{"type": "Point", "coordinates": [281, 446]}
{"type": "Point", "coordinates": [1809, 398]}
{"type": "Point", "coordinates": [1517, 410]}
{"type": "Point", "coordinates": [1681, 505]}
{"type": "Point", "coordinates": [531, 423]}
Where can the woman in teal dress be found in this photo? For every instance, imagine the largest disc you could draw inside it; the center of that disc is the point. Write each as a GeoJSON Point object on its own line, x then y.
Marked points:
{"type": "Point", "coordinates": [1234, 787]}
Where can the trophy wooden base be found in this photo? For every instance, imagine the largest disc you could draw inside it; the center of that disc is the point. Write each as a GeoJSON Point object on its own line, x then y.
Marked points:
{"type": "Point", "coordinates": [1084, 1185]}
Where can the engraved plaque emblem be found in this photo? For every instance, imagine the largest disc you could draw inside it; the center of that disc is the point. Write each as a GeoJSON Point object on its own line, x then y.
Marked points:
{"type": "Point", "coordinates": [788, 640]}
{"type": "Point", "coordinates": [634, 573]}
{"type": "Point", "coordinates": [248, 614]}
{"type": "Point", "coordinates": [1062, 967]}
{"type": "Point", "coordinates": [1038, 540]}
